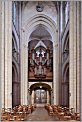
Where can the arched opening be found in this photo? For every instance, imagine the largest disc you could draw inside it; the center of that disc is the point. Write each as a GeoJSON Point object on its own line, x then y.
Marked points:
{"type": "Point", "coordinates": [40, 64]}
{"type": "Point", "coordinates": [50, 36]}
{"type": "Point", "coordinates": [40, 96]}
{"type": "Point", "coordinates": [40, 93]}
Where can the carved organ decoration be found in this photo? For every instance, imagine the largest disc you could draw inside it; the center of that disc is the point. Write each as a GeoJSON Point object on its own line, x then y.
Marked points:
{"type": "Point", "coordinates": [40, 62]}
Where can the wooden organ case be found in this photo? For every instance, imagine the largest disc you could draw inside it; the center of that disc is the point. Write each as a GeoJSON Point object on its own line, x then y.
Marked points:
{"type": "Point", "coordinates": [40, 63]}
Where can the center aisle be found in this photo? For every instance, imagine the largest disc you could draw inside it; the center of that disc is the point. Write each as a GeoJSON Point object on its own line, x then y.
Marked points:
{"type": "Point", "coordinates": [40, 114]}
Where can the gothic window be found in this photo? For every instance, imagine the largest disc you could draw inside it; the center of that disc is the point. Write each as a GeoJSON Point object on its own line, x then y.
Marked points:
{"type": "Point", "coordinates": [66, 12]}
{"type": "Point", "coordinates": [14, 12]}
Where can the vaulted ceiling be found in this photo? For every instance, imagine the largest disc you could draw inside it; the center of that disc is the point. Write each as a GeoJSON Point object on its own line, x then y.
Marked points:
{"type": "Point", "coordinates": [40, 32]}
{"type": "Point", "coordinates": [40, 36]}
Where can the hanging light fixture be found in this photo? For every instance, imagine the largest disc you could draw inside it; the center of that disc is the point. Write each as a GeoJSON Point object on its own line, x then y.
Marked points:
{"type": "Point", "coordinates": [40, 87]}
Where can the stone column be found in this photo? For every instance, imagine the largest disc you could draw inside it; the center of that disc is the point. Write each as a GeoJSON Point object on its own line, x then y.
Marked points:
{"type": "Point", "coordinates": [81, 60]}
{"type": "Point", "coordinates": [52, 97]}
{"type": "Point", "coordinates": [2, 54]}
{"type": "Point", "coordinates": [55, 72]}
{"type": "Point", "coordinates": [6, 54]}
{"type": "Point", "coordinates": [33, 97]}
{"type": "Point", "coordinates": [72, 62]}
{"type": "Point", "coordinates": [60, 26]}
{"type": "Point", "coordinates": [20, 41]}
{"type": "Point", "coordinates": [29, 96]}
{"type": "Point", "coordinates": [74, 59]}
{"type": "Point", "coordinates": [24, 74]}
{"type": "Point", "coordinates": [79, 56]}
{"type": "Point", "coordinates": [47, 97]}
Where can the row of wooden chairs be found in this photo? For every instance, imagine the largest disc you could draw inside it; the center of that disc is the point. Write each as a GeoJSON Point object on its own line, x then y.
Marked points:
{"type": "Point", "coordinates": [49, 109]}
{"type": "Point", "coordinates": [63, 113]}
{"type": "Point", "coordinates": [18, 113]}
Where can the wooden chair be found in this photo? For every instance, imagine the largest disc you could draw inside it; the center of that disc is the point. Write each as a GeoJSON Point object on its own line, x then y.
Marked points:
{"type": "Point", "coordinates": [50, 110]}
{"type": "Point", "coordinates": [29, 109]}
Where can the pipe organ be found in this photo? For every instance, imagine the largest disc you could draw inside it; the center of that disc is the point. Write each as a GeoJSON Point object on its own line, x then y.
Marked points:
{"type": "Point", "coordinates": [40, 66]}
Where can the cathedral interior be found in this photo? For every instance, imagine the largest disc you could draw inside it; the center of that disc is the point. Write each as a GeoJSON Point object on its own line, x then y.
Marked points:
{"type": "Point", "coordinates": [40, 60]}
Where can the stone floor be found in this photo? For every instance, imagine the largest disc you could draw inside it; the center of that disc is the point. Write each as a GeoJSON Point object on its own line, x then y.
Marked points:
{"type": "Point", "coordinates": [41, 114]}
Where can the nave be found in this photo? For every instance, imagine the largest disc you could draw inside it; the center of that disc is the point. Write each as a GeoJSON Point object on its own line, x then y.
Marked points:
{"type": "Point", "coordinates": [40, 59]}
{"type": "Point", "coordinates": [39, 113]}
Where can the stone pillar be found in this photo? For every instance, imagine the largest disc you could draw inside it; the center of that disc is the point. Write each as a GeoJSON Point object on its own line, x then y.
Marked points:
{"type": "Point", "coordinates": [81, 60]}
{"type": "Point", "coordinates": [33, 97]}
{"type": "Point", "coordinates": [60, 26]}
{"type": "Point", "coordinates": [6, 54]}
{"type": "Point", "coordinates": [47, 97]}
{"type": "Point", "coordinates": [55, 73]}
{"type": "Point", "coordinates": [79, 56]}
{"type": "Point", "coordinates": [24, 74]}
{"type": "Point", "coordinates": [20, 40]}
{"type": "Point", "coordinates": [52, 97]}
{"type": "Point", "coordinates": [2, 7]}
{"type": "Point", "coordinates": [29, 97]}
{"type": "Point", "coordinates": [74, 59]}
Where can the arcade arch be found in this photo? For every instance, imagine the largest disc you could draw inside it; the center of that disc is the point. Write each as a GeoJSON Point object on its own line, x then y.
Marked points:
{"type": "Point", "coordinates": [27, 30]}
{"type": "Point", "coordinates": [40, 93]}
